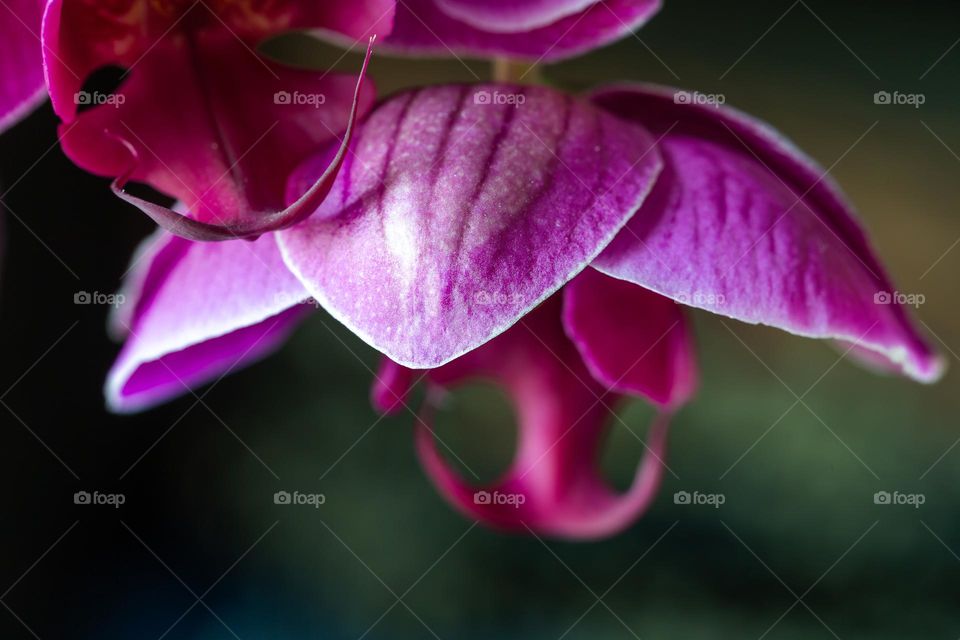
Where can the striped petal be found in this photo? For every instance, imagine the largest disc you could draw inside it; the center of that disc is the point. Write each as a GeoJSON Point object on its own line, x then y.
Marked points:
{"type": "Point", "coordinates": [741, 223]}
{"type": "Point", "coordinates": [460, 209]}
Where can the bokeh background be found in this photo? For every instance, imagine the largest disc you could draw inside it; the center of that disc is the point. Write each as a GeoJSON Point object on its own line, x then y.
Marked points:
{"type": "Point", "coordinates": [799, 549]}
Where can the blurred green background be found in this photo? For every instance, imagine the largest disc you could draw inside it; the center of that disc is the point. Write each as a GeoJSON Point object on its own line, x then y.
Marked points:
{"type": "Point", "coordinates": [799, 549]}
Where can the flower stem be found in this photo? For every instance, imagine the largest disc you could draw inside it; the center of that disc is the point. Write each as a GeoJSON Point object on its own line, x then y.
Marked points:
{"type": "Point", "coordinates": [514, 72]}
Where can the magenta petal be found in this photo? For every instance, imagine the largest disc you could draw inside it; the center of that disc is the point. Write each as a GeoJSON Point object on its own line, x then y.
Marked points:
{"type": "Point", "coordinates": [199, 310]}
{"type": "Point", "coordinates": [355, 20]}
{"type": "Point", "coordinates": [554, 486]}
{"type": "Point", "coordinates": [152, 260]}
{"type": "Point", "coordinates": [531, 29]}
{"type": "Point", "coordinates": [511, 15]}
{"type": "Point", "coordinates": [453, 217]}
{"type": "Point", "coordinates": [21, 61]}
{"type": "Point", "coordinates": [220, 129]}
{"type": "Point", "coordinates": [743, 224]}
{"type": "Point", "coordinates": [632, 340]}
{"type": "Point", "coordinates": [81, 36]}
{"type": "Point", "coordinates": [391, 385]}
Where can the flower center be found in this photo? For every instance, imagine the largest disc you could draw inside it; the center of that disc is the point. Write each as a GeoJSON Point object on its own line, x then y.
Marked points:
{"type": "Point", "coordinates": [127, 28]}
{"type": "Point", "coordinates": [244, 16]}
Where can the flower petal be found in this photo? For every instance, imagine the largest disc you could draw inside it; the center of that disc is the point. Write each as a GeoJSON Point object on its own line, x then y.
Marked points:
{"type": "Point", "coordinates": [531, 29]}
{"type": "Point", "coordinates": [21, 61]}
{"type": "Point", "coordinates": [506, 16]}
{"type": "Point", "coordinates": [455, 214]}
{"type": "Point", "coordinates": [391, 385]}
{"type": "Point", "coordinates": [350, 23]}
{"type": "Point", "coordinates": [631, 339]}
{"type": "Point", "coordinates": [199, 310]}
{"type": "Point", "coordinates": [743, 224]}
{"type": "Point", "coordinates": [212, 124]}
{"type": "Point", "coordinates": [81, 36]}
{"type": "Point", "coordinates": [554, 486]}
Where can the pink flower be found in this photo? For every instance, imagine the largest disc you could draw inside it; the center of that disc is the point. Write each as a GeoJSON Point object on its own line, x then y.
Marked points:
{"type": "Point", "coordinates": [204, 118]}
{"type": "Point", "coordinates": [201, 116]}
{"type": "Point", "coordinates": [80, 36]}
{"type": "Point", "coordinates": [459, 214]}
{"type": "Point", "coordinates": [446, 194]}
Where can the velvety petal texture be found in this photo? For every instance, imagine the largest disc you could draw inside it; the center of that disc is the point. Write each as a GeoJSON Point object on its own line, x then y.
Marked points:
{"type": "Point", "coordinates": [21, 61]}
{"type": "Point", "coordinates": [194, 311]}
{"type": "Point", "coordinates": [632, 340]}
{"type": "Point", "coordinates": [741, 223]}
{"type": "Point", "coordinates": [539, 30]}
{"type": "Point", "coordinates": [461, 208]}
{"type": "Point", "coordinates": [555, 486]}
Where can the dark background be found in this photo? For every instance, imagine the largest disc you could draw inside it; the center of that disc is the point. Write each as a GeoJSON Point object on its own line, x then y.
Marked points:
{"type": "Point", "coordinates": [799, 521]}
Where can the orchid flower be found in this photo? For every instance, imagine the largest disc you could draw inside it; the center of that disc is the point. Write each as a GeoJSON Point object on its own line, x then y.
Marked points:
{"type": "Point", "coordinates": [502, 189]}
{"type": "Point", "coordinates": [21, 67]}
{"type": "Point", "coordinates": [545, 242]}
{"type": "Point", "coordinates": [541, 30]}
{"type": "Point", "coordinates": [202, 116]}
